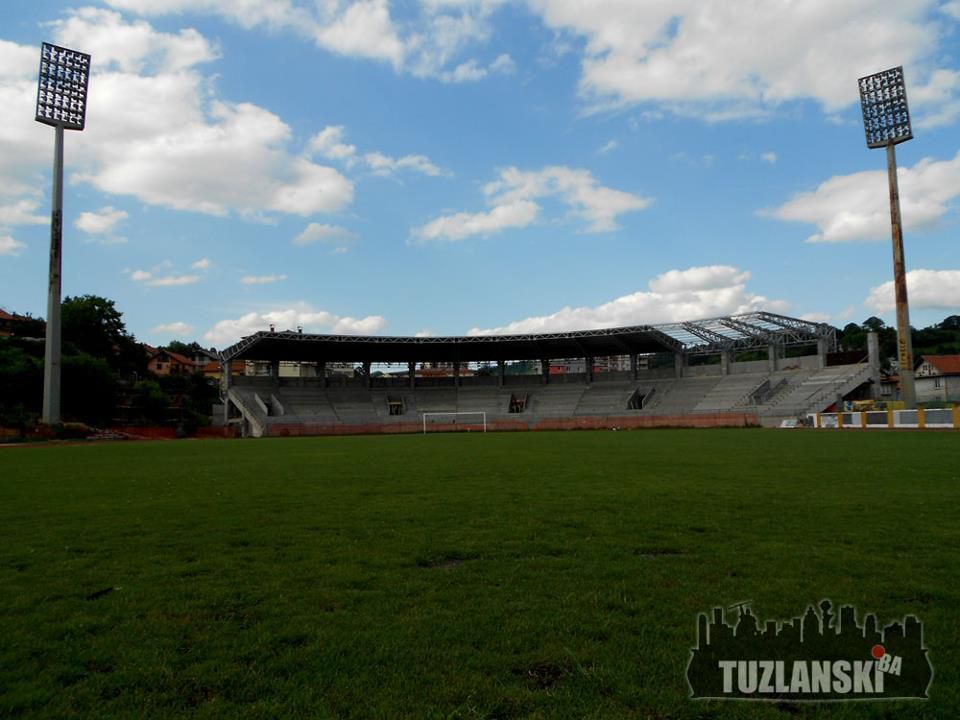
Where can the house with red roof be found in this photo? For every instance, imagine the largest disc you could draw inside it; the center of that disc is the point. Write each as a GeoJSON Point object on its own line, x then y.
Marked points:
{"type": "Point", "coordinates": [938, 378]}
{"type": "Point", "coordinates": [164, 362]}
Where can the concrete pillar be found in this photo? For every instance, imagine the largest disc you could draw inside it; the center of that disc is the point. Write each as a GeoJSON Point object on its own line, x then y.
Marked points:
{"type": "Point", "coordinates": [501, 372]}
{"type": "Point", "coordinates": [772, 358]}
{"type": "Point", "coordinates": [679, 361]}
{"type": "Point", "coordinates": [275, 371]}
{"type": "Point", "coordinates": [873, 357]}
{"type": "Point", "coordinates": [724, 362]}
{"type": "Point", "coordinates": [412, 374]}
{"type": "Point", "coordinates": [225, 371]}
{"type": "Point", "coordinates": [366, 373]}
{"type": "Point", "coordinates": [322, 373]}
{"type": "Point", "coordinates": [456, 373]}
{"type": "Point", "coordinates": [588, 368]}
{"type": "Point", "coordinates": [822, 354]}
{"type": "Point", "coordinates": [634, 366]}
{"type": "Point", "coordinates": [545, 371]}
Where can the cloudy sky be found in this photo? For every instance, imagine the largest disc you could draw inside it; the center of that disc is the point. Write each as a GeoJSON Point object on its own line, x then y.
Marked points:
{"type": "Point", "coordinates": [455, 166]}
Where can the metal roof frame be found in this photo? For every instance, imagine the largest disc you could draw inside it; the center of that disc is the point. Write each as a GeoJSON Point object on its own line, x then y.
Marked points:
{"type": "Point", "coordinates": [746, 331]}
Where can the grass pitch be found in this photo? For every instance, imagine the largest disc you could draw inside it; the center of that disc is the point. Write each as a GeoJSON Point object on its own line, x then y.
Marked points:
{"type": "Point", "coordinates": [542, 575]}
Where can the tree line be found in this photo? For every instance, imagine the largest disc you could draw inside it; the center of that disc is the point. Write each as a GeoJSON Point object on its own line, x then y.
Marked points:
{"type": "Point", "coordinates": [104, 375]}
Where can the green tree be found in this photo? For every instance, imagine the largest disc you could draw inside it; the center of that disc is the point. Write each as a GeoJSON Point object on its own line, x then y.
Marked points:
{"type": "Point", "coordinates": [93, 325]}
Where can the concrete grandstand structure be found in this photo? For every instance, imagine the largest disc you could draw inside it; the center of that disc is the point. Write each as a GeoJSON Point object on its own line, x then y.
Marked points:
{"type": "Point", "coordinates": [748, 369]}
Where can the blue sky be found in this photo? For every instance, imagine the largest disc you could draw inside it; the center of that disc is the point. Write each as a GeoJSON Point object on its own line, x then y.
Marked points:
{"type": "Point", "coordinates": [456, 166]}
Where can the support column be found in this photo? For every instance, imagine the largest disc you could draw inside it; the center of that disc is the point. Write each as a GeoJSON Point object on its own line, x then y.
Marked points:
{"type": "Point", "coordinates": [545, 371]}
{"type": "Point", "coordinates": [275, 371]}
{"type": "Point", "coordinates": [724, 362]}
{"type": "Point", "coordinates": [679, 361]}
{"type": "Point", "coordinates": [634, 369]}
{"type": "Point", "coordinates": [225, 372]}
{"type": "Point", "coordinates": [366, 373]}
{"type": "Point", "coordinates": [322, 373]}
{"type": "Point", "coordinates": [501, 373]}
{"type": "Point", "coordinates": [771, 358]}
{"type": "Point", "coordinates": [456, 373]}
{"type": "Point", "coordinates": [904, 340]}
{"type": "Point", "coordinates": [412, 374]}
{"type": "Point", "coordinates": [873, 357]}
{"type": "Point", "coordinates": [822, 354]}
{"type": "Point", "coordinates": [51, 353]}
{"type": "Point", "coordinates": [588, 368]}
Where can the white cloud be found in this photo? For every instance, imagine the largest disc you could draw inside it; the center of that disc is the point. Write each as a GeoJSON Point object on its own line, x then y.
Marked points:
{"type": "Point", "coordinates": [385, 165]}
{"type": "Point", "coordinates": [10, 246]}
{"type": "Point", "coordinates": [319, 233]}
{"type": "Point", "coordinates": [925, 289]}
{"type": "Point", "coordinates": [426, 44]}
{"type": "Point", "coordinates": [329, 143]}
{"type": "Point", "coordinates": [174, 328]}
{"type": "Point", "coordinates": [302, 314]}
{"type": "Point", "coordinates": [769, 157]}
{"type": "Point", "coordinates": [246, 13]}
{"type": "Point", "coordinates": [261, 279]}
{"type": "Point", "coordinates": [201, 264]}
{"type": "Point", "coordinates": [856, 207]}
{"type": "Point", "coordinates": [19, 61]}
{"type": "Point", "coordinates": [364, 29]}
{"type": "Point", "coordinates": [609, 147]}
{"type": "Point", "coordinates": [724, 60]}
{"type": "Point", "coordinates": [513, 194]}
{"type": "Point", "coordinates": [21, 212]}
{"type": "Point", "coordinates": [102, 222]}
{"type": "Point", "coordinates": [503, 64]}
{"type": "Point", "coordinates": [156, 129]}
{"type": "Point", "coordinates": [149, 278]}
{"type": "Point", "coordinates": [132, 46]}
{"type": "Point", "coordinates": [462, 225]}
{"type": "Point", "coordinates": [674, 296]}
{"type": "Point", "coordinates": [938, 98]}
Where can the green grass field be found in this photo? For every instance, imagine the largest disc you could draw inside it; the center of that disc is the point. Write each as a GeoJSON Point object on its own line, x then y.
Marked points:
{"type": "Point", "coordinates": [541, 575]}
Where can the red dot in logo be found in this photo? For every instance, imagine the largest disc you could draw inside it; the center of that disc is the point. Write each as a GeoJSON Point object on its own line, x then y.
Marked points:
{"type": "Point", "coordinates": [877, 651]}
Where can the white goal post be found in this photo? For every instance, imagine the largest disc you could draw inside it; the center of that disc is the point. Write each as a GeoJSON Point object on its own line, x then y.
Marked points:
{"type": "Point", "coordinates": [455, 415]}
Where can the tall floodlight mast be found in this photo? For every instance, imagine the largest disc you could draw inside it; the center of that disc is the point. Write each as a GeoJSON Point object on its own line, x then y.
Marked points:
{"type": "Point", "coordinates": [886, 121]}
{"type": "Point", "coordinates": [62, 103]}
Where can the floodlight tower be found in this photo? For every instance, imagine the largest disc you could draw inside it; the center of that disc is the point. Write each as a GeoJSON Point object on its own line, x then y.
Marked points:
{"type": "Point", "coordinates": [62, 103]}
{"type": "Point", "coordinates": [886, 121]}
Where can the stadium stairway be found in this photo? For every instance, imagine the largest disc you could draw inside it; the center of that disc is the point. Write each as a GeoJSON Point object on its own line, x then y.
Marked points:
{"type": "Point", "coordinates": [816, 392]}
{"type": "Point", "coordinates": [251, 408]}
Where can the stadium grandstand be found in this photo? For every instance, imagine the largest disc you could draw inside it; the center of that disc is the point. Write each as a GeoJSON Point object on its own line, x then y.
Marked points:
{"type": "Point", "coordinates": [749, 369]}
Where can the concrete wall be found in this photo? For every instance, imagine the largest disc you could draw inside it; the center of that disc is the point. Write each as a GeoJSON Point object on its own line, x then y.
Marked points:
{"type": "Point", "coordinates": [949, 390]}
{"type": "Point", "coordinates": [704, 420]}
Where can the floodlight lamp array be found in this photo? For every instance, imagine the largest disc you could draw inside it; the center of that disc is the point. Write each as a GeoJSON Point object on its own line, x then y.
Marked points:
{"type": "Point", "coordinates": [62, 88]}
{"type": "Point", "coordinates": [883, 100]}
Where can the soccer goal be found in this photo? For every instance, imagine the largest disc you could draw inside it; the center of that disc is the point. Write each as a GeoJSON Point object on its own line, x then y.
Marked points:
{"type": "Point", "coordinates": [455, 421]}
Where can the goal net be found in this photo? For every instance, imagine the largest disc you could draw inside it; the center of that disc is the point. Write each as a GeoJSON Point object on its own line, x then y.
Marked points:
{"type": "Point", "coordinates": [454, 421]}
